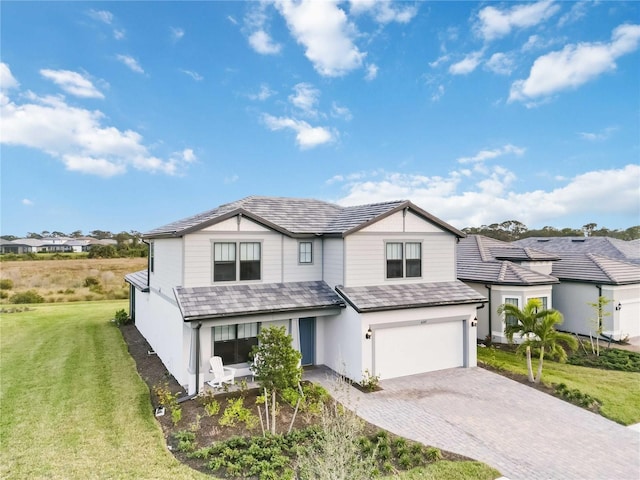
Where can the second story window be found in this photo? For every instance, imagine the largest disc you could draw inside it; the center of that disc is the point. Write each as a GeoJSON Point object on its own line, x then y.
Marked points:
{"type": "Point", "coordinates": [394, 260]}
{"type": "Point", "coordinates": [232, 261]}
{"type": "Point", "coordinates": [224, 262]}
{"type": "Point", "coordinates": [404, 259]}
{"type": "Point", "coordinates": [305, 252]}
{"type": "Point", "coordinates": [250, 261]}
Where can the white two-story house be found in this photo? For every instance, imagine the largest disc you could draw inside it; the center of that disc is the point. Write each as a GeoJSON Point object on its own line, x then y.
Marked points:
{"type": "Point", "coordinates": [365, 288]}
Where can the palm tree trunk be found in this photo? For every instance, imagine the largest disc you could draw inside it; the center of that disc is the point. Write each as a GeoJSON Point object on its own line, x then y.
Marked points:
{"type": "Point", "coordinates": [529, 366]}
{"type": "Point", "coordinates": [539, 376]}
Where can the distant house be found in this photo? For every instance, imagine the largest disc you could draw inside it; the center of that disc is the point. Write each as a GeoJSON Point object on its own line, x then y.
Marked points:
{"type": "Point", "coordinates": [14, 246]}
{"type": "Point", "coordinates": [589, 267]}
{"type": "Point", "coordinates": [504, 273]}
{"type": "Point", "coordinates": [365, 288]}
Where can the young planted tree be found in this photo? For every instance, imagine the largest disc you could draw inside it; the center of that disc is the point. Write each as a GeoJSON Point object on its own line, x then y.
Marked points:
{"type": "Point", "coordinates": [525, 322]}
{"type": "Point", "coordinates": [547, 340]}
{"type": "Point", "coordinates": [537, 327]}
{"type": "Point", "coordinates": [598, 322]}
{"type": "Point", "coordinates": [276, 366]}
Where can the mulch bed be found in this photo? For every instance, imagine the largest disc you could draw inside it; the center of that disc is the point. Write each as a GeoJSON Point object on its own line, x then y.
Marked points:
{"type": "Point", "coordinates": [154, 373]}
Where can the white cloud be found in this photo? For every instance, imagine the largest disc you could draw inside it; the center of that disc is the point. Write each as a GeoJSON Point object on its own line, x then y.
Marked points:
{"type": "Point", "coordinates": [232, 19]}
{"type": "Point", "coordinates": [495, 23]}
{"type": "Point", "coordinates": [500, 63]}
{"type": "Point", "coordinates": [130, 62]}
{"type": "Point", "coordinates": [598, 136]}
{"type": "Point", "coordinates": [437, 95]}
{"type": "Point", "coordinates": [484, 155]}
{"type": "Point", "coordinates": [305, 98]}
{"type": "Point", "coordinates": [492, 198]}
{"type": "Point", "coordinates": [326, 34]}
{"type": "Point", "coordinates": [72, 83]}
{"type": "Point", "coordinates": [338, 111]}
{"type": "Point", "coordinates": [27, 202]}
{"type": "Point", "coordinates": [468, 64]}
{"type": "Point", "coordinates": [79, 139]}
{"type": "Point", "coordinates": [195, 75]}
{"type": "Point", "coordinates": [262, 43]}
{"type": "Point", "coordinates": [440, 60]}
{"type": "Point", "coordinates": [578, 11]}
{"type": "Point", "coordinates": [103, 16]}
{"type": "Point", "coordinates": [306, 135]}
{"type": "Point", "coordinates": [384, 11]}
{"type": "Point", "coordinates": [575, 65]}
{"type": "Point", "coordinates": [372, 72]}
{"type": "Point", "coordinates": [106, 17]}
{"type": "Point", "coordinates": [263, 94]}
{"type": "Point", "coordinates": [176, 33]}
{"type": "Point", "coordinates": [7, 80]}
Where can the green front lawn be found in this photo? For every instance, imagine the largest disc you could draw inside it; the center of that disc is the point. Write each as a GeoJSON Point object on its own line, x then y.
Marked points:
{"type": "Point", "coordinates": [617, 391]}
{"type": "Point", "coordinates": [72, 404]}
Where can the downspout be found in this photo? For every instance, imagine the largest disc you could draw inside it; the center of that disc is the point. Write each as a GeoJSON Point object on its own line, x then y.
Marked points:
{"type": "Point", "coordinates": [488, 287]}
{"type": "Point", "coordinates": [189, 397]}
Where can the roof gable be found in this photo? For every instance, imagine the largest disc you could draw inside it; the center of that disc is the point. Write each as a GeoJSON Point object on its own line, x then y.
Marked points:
{"type": "Point", "coordinates": [483, 259]}
{"type": "Point", "coordinates": [297, 217]}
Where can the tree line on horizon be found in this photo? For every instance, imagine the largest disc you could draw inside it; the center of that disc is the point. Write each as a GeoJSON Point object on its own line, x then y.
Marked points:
{"type": "Point", "coordinates": [512, 230]}
{"type": "Point", "coordinates": [508, 231]}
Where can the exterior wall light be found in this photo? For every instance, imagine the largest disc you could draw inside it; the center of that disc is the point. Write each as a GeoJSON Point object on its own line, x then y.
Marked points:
{"type": "Point", "coordinates": [368, 334]}
{"type": "Point", "coordinates": [619, 306]}
{"type": "Point", "coordinates": [474, 322]}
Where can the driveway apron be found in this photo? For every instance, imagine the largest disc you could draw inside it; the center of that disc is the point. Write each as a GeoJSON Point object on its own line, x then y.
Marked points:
{"type": "Point", "coordinates": [522, 432]}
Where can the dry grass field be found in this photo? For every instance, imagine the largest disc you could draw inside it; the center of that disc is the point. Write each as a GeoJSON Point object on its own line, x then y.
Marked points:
{"type": "Point", "coordinates": [69, 280]}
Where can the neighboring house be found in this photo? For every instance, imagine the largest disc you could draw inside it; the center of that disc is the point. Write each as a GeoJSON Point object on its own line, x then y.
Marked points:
{"type": "Point", "coordinates": [590, 267]}
{"type": "Point", "coordinates": [504, 273]}
{"type": "Point", "coordinates": [14, 246]}
{"type": "Point", "coordinates": [366, 288]}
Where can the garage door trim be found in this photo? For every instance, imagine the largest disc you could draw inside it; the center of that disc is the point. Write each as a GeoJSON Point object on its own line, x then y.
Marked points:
{"type": "Point", "coordinates": [409, 323]}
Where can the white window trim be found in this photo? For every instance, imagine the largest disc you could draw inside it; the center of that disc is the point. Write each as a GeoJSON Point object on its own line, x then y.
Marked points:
{"type": "Point", "coordinates": [404, 260]}
{"type": "Point", "coordinates": [312, 255]}
{"type": "Point", "coordinates": [237, 261]}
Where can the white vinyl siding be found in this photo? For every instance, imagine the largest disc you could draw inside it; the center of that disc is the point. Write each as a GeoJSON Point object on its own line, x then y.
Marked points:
{"type": "Point", "coordinates": [167, 272]}
{"type": "Point", "coordinates": [333, 251]}
{"type": "Point", "coordinates": [199, 255]}
{"type": "Point", "coordinates": [365, 261]}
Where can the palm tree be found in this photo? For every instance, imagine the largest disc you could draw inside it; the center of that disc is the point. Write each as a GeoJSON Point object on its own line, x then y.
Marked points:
{"type": "Point", "coordinates": [548, 339]}
{"type": "Point", "coordinates": [526, 320]}
{"type": "Point", "coordinates": [536, 326]}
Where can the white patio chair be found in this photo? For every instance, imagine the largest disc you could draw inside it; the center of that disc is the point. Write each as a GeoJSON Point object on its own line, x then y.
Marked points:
{"type": "Point", "coordinates": [221, 374]}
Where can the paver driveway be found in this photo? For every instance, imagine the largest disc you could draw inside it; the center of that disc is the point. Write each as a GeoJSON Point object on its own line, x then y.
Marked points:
{"type": "Point", "coordinates": [524, 433]}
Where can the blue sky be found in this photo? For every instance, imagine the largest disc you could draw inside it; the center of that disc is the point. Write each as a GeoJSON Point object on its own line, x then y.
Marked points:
{"type": "Point", "coordinates": [128, 115]}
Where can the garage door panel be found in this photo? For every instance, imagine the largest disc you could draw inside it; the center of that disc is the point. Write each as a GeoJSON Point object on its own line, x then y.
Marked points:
{"type": "Point", "coordinates": [415, 349]}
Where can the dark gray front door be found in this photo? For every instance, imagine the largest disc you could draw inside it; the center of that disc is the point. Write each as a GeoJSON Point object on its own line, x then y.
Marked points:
{"type": "Point", "coordinates": [308, 340]}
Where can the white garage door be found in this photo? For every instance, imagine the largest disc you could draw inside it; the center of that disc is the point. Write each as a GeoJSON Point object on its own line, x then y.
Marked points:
{"type": "Point", "coordinates": [415, 349]}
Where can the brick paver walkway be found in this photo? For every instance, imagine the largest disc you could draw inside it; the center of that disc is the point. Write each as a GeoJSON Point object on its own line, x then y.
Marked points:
{"type": "Point", "coordinates": [524, 433]}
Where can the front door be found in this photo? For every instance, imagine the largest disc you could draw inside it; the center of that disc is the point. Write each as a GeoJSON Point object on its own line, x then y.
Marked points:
{"type": "Point", "coordinates": [308, 340]}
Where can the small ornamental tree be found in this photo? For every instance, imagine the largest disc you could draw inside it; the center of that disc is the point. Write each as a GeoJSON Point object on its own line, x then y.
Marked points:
{"type": "Point", "coordinates": [276, 366]}
{"type": "Point", "coordinates": [599, 310]}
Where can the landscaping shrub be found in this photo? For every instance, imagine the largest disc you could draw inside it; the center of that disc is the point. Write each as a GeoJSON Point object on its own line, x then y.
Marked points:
{"type": "Point", "coordinates": [30, 296]}
{"type": "Point", "coordinates": [122, 317]}
{"type": "Point", "coordinates": [609, 359]}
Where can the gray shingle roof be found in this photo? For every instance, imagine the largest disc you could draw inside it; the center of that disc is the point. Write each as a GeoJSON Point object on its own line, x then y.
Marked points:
{"type": "Point", "coordinates": [295, 216]}
{"type": "Point", "coordinates": [393, 297]}
{"type": "Point", "coordinates": [483, 259]}
{"type": "Point", "coordinates": [592, 259]}
{"type": "Point", "coordinates": [232, 300]}
{"type": "Point", "coordinates": [139, 280]}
